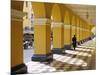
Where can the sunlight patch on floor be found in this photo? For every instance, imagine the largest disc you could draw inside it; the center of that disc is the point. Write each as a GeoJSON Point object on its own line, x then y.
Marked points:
{"type": "Point", "coordinates": [37, 67]}
{"type": "Point", "coordinates": [78, 53]}
{"type": "Point", "coordinates": [70, 60]}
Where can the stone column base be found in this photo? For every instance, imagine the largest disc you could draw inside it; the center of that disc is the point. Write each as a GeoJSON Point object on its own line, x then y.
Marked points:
{"type": "Point", "coordinates": [58, 50]}
{"type": "Point", "coordinates": [19, 69]}
{"type": "Point", "coordinates": [42, 57]}
{"type": "Point", "coordinates": [78, 43]}
{"type": "Point", "coordinates": [67, 47]}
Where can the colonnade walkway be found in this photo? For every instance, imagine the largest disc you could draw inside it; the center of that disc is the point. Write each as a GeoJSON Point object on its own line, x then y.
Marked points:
{"type": "Point", "coordinates": [83, 58]}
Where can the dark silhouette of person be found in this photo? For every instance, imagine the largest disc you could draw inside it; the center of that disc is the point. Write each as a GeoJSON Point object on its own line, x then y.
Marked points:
{"type": "Point", "coordinates": [74, 41]}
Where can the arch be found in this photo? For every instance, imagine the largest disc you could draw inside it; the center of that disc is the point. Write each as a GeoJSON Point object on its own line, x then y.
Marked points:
{"type": "Point", "coordinates": [52, 9]}
{"type": "Point", "coordinates": [78, 29]}
{"type": "Point", "coordinates": [73, 25]}
{"type": "Point", "coordinates": [58, 29]}
{"type": "Point", "coordinates": [17, 64]}
{"type": "Point", "coordinates": [28, 18]}
{"type": "Point", "coordinates": [67, 30]}
{"type": "Point", "coordinates": [18, 5]}
{"type": "Point", "coordinates": [73, 20]}
{"type": "Point", "coordinates": [39, 9]}
{"type": "Point", "coordinates": [42, 30]}
{"type": "Point", "coordinates": [48, 8]}
{"type": "Point", "coordinates": [56, 13]}
{"type": "Point", "coordinates": [67, 18]}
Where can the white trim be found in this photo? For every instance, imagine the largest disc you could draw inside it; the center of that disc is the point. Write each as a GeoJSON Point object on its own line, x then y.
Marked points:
{"type": "Point", "coordinates": [17, 15]}
{"type": "Point", "coordinates": [73, 27]}
{"type": "Point", "coordinates": [57, 24]}
{"type": "Point", "coordinates": [16, 19]}
{"type": "Point", "coordinates": [78, 28]}
{"type": "Point", "coordinates": [81, 29]}
{"type": "Point", "coordinates": [41, 21]}
{"type": "Point", "coordinates": [86, 30]}
{"type": "Point", "coordinates": [67, 26]}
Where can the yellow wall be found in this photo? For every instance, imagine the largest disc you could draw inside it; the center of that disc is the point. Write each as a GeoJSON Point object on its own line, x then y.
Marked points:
{"type": "Point", "coordinates": [77, 30]}
{"type": "Point", "coordinates": [16, 43]}
{"type": "Point", "coordinates": [56, 13]}
{"type": "Point", "coordinates": [27, 18]}
{"type": "Point", "coordinates": [42, 43]}
{"type": "Point", "coordinates": [39, 9]}
{"type": "Point", "coordinates": [67, 38]}
{"type": "Point", "coordinates": [73, 27]}
{"type": "Point", "coordinates": [83, 31]}
{"type": "Point", "coordinates": [80, 30]}
{"type": "Point", "coordinates": [58, 28]}
{"type": "Point", "coordinates": [67, 29]}
{"type": "Point", "coordinates": [58, 41]}
{"type": "Point", "coordinates": [18, 5]}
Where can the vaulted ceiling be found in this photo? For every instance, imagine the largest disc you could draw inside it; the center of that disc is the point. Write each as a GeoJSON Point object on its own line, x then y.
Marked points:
{"type": "Point", "coordinates": [87, 12]}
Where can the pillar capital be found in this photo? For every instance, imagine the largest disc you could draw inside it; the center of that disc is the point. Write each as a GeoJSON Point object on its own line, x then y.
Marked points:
{"type": "Point", "coordinates": [41, 21]}
{"type": "Point", "coordinates": [67, 39]}
{"type": "Point", "coordinates": [17, 64]}
{"type": "Point", "coordinates": [73, 26]}
{"type": "Point", "coordinates": [81, 28]}
{"type": "Point", "coordinates": [42, 37]}
{"type": "Point", "coordinates": [57, 24]}
{"type": "Point", "coordinates": [78, 27]}
{"type": "Point", "coordinates": [17, 15]}
{"type": "Point", "coordinates": [58, 43]}
{"type": "Point", "coordinates": [67, 26]}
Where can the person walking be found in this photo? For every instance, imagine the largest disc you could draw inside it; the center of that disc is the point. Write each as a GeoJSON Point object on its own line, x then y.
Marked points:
{"type": "Point", "coordinates": [74, 41]}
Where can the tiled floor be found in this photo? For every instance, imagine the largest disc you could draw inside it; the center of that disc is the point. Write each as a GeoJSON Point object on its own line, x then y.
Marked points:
{"type": "Point", "coordinates": [80, 59]}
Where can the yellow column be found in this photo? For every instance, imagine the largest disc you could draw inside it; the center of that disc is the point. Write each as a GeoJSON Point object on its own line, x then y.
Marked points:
{"type": "Point", "coordinates": [91, 27]}
{"type": "Point", "coordinates": [58, 37]}
{"type": "Point", "coordinates": [42, 30]}
{"type": "Point", "coordinates": [67, 30]}
{"type": "Point", "coordinates": [42, 42]}
{"type": "Point", "coordinates": [17, 65]}
{"type": "Point", "coordinates": [67, 36]}
{"type": "Point", "coordinates": [84, 30]}
{"type": "Point", "coordinates": [87, 32]}
{"type": "Point", "coordinates": [73, 26]}
{"type": "Point", "coordinates": [78, 30]}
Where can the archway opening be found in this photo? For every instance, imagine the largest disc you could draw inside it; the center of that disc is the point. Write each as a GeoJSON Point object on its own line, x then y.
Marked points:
{"type": "Point", "coordinates": [28, 31]}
